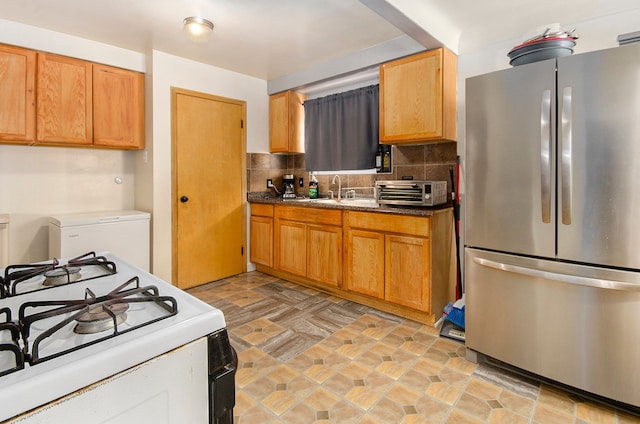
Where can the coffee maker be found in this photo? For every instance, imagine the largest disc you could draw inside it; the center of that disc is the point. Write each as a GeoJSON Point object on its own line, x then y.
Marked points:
{"type": "Point", "coordinates": [288, 186]}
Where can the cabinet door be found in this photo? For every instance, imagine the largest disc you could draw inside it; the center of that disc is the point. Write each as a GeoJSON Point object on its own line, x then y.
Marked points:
{"type": "Point", "coordinates": [407, 271]}
{"type": "Point", "coordinates": [292, 247]}
{"type": "Point", "coordinates": [118, 108]}
{"type": "Point", "coordinates": [286, 122]}
{"type": "Point", "coordinates": [261, 239]}
{"type": "Point", "coordinates": [324, 254]}
{"type": "Point", "coordinates": [64, 105]}
{"type": "Point", "coordinates": [417, 98]}
{"type": "Point", "coordinates": [17, 94]}
{"type": "Point", "coordinates": [365, 262]}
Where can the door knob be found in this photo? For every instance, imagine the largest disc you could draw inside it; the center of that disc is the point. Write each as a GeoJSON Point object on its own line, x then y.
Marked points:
{"type": "Point", "coordinates": [184, 199]}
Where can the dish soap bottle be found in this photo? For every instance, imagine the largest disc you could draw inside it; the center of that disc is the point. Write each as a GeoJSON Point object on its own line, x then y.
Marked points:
{"type": "Point", "coordinates": [313, 186]}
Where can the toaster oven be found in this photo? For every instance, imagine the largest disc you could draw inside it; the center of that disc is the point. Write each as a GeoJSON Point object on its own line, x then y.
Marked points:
{"type": "Point", "coordinates": [411, 193]}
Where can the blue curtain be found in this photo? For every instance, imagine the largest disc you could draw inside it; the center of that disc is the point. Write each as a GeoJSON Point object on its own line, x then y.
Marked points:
{"type": "Point", "coordinates": [342, 130]}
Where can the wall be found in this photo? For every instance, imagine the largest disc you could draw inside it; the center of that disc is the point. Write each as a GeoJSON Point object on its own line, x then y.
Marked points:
{"type": "Point", "coordinates": [427, 162]}
{"type": "Point", "coordinates": [36, 182]}
{"type": "Point", "coordinates": [171, 71]}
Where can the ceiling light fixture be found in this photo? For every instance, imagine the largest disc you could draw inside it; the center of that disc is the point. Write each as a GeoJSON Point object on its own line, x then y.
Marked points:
{"type": "Point", "coordinates": [197, 26]}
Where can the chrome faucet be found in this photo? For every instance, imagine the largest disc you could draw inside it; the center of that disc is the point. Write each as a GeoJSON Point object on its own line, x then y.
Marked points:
{"type": "Point", "coordinates": [339, 184]}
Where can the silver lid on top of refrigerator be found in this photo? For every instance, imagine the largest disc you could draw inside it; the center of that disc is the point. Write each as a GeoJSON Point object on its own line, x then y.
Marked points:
{"type": "Point", "coordinates": [541, 50]}
{"type": "Point", "coordinates": [548, 45]}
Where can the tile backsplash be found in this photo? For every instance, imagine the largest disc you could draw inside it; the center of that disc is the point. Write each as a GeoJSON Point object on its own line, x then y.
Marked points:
{"type": "Point", "coordinates": [425, 162]}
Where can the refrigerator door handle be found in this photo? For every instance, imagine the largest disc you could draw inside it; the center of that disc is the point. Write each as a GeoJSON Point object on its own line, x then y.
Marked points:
{"type": "Point", "coordinates": [545, 156]}
{"type": "Point", "coordinates": [566, 119]}
{"type": "Point", "coordinates": [565, 278]}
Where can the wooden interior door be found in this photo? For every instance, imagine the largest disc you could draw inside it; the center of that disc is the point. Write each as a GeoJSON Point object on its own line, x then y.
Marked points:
{"type": "Point", "coordinates": [209, 182]}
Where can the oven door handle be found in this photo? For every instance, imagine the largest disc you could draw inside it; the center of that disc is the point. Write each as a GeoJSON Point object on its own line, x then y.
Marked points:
{"type": "Point", "coordinates": [564, 278]}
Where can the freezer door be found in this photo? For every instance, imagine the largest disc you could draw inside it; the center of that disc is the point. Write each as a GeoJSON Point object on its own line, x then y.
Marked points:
{"type": "Point", "coordinates": [599, 144]}
{"type": "Point", "coordinates": [509, 178]}
{"type": "Point", "coordinates": [574, 324]}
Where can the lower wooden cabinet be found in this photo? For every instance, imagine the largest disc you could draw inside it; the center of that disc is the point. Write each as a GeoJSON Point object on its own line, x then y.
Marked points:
{"type": "Point", "coordinates": [324, 254]}
{"type": "Point", "coordinates": [396, 263]}
{"type": "Point", "coordinates": [261, 234]}
{"type": "Point", "coordinates": [408, 271]}
{"type": "Point", "coordinates": [387, 265]}
{"type": "Point", "coordinates": [291, 239]}
{"type": "Point", "coordinates": [309, 243]}
{"type": "Point", "coordinates": [364, 257]}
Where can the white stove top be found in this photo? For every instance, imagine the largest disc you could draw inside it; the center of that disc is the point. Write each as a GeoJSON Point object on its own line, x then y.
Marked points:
{"type": "Point", "coordinates": [43, 382]}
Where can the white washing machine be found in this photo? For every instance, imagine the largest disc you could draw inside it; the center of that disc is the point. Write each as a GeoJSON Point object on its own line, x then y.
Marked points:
{"type": "Point", "coordinates": [123, 233]}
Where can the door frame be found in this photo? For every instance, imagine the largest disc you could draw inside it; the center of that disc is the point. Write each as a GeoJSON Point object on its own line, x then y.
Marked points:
{"type": "Point", "coordinates": [174, 177]}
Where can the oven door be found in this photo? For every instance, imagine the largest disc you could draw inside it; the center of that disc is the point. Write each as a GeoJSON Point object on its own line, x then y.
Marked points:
{"type": "Point", "coordinates": [223, 362]}
{"type": "Point", "coordinates": [171, 388]}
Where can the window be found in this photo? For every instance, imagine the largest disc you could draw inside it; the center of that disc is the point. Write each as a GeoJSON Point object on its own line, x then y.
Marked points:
{"type": "Point", "coordinates": [341, 130]}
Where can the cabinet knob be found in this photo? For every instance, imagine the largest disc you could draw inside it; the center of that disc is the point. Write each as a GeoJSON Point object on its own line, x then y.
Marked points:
{"type": "Point", "coordinates": [184, 199]}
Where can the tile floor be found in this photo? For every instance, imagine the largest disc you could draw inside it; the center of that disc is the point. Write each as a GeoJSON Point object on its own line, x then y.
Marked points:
{"type": "Point", "coordinates": [308, 357]}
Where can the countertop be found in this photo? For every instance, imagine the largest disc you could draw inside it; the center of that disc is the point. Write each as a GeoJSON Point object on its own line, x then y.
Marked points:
{"type": "Point", "coordinates": [261, 197]}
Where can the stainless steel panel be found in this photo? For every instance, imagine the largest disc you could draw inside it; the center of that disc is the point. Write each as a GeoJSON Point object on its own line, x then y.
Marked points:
{"type": "Point", "coordinates": [509, 161]}
{"type": "Point", "coordinates": [578, 325]}
{"type": "Point", "coordinates": [603, 122]}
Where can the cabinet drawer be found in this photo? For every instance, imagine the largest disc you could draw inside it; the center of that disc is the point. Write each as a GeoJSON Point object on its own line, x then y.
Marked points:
{"type": "Point", "coordinates": [310, 215]}
{"type": "Point", "coordinates": [401, 224]}
{"type": "Point", "coordinates": [261, 209]}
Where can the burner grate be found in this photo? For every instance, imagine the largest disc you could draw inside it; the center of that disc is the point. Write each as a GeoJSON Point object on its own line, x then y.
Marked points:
{"type": "Point", "coordinates": [11, 357]}
{"type": "Point", "coordinates": [70, 311]}
{"type": "Point", "coordinates": [53, 273]}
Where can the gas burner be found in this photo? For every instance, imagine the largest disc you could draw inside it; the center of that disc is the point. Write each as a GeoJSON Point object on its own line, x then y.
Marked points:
{"type": "Point", "coordinates": [61, 275]}
{"type": "Point", "coordinates": [101, 318]}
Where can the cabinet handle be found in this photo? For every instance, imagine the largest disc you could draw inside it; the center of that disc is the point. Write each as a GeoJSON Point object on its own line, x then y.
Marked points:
{"type": "Point", "coordinates": [184, 199]}
{"type": "Point", "coordinates": [566, 155]}
{"type": "Point", "coordinates": [545, 156]}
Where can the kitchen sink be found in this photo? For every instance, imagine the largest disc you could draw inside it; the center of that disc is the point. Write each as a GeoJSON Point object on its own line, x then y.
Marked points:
{"type": "Point", "coordinates": [353, 203]}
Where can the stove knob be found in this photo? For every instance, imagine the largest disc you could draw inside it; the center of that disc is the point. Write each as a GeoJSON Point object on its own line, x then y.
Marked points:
{"type": "Point", "coordinates": [184, 199]}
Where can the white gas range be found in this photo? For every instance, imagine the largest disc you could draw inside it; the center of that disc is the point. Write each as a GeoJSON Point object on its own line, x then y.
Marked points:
{"type": "Point", "coordinates": [100, 340]}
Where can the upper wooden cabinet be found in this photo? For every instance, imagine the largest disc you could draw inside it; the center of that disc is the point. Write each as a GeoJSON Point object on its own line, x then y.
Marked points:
{"type": "Point", "coordinates": [60, 101]}
{"type": "Point", "coordinates": [64, 105]}
{"type": "Point", "coordinates": [17, 94]}
{"type": "Point", "coordinates": [418, 98]}
{"type": "Point", "coordinates": [286, 122]}
{"type": "Point", "coordinates": [118, 108]}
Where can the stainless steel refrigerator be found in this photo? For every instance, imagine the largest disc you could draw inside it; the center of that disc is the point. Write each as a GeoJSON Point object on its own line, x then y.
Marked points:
{"type": "Point", "coordinates": [552, 219]}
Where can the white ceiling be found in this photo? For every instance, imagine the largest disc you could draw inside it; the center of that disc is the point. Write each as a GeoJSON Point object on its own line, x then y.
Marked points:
{"type": "Point", "coordinates": [272, 38]}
